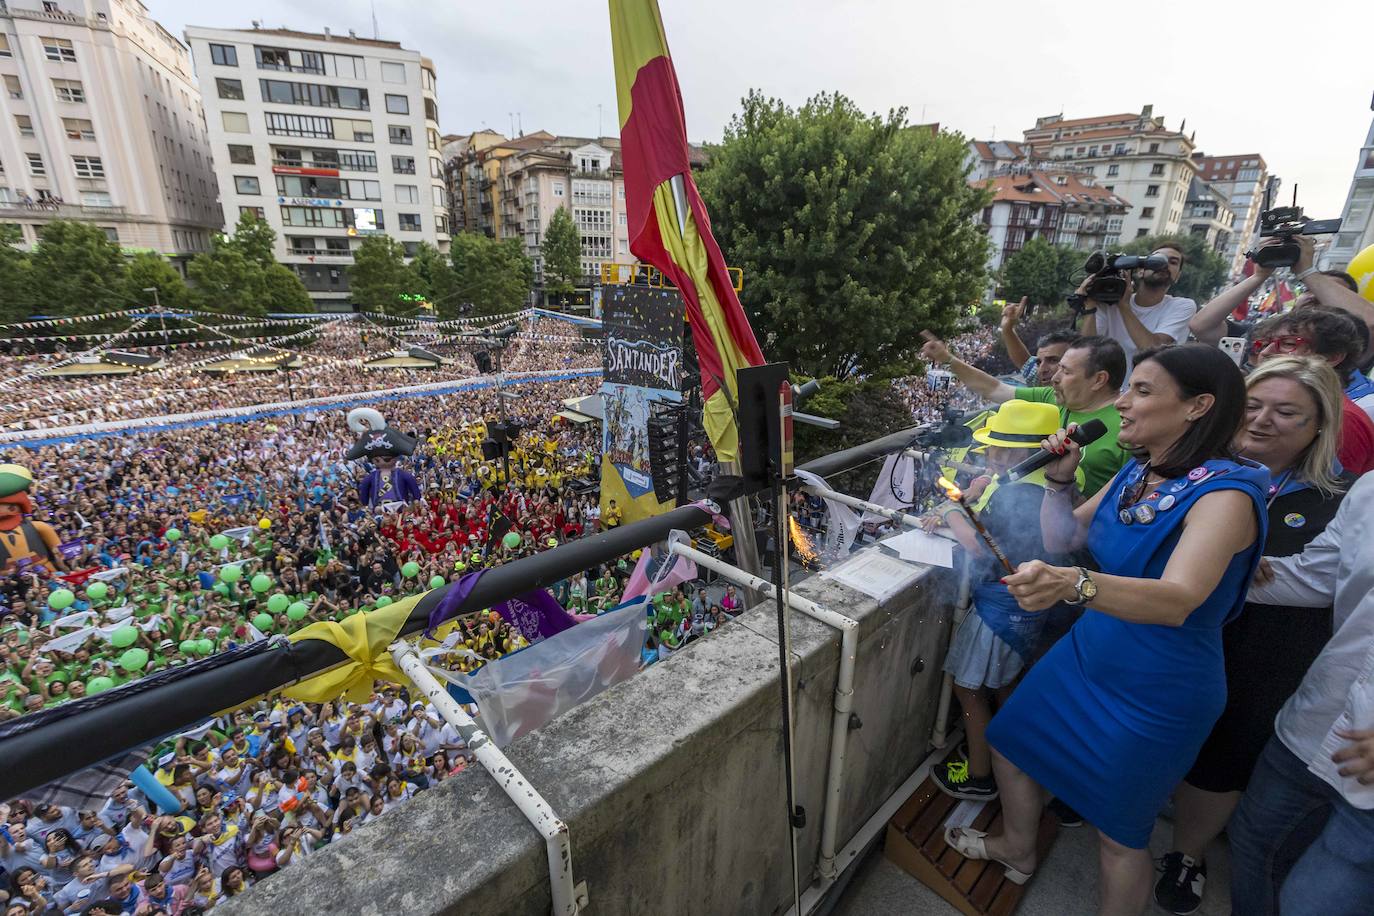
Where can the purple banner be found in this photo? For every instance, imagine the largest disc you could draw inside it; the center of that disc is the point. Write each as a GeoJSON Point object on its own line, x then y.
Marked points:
{"type": "Point", "coordinates": [69, 549]}
{"type": "Point", "coordinates": [536, 614]}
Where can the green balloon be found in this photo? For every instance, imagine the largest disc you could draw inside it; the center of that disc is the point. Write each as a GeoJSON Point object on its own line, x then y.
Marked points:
{"type": "Point", "coordinates": [297, 610]}
{"type": "Point", "coordinates": [261, 582]}
{"type": "Point", "coordinates": [189, 646]}
{"type": "Point", "coordinates": [172, 534]}
{"type": "Point", "coordinates": [221, 588]}
{"type": "Point", "coordinates": [133, 659]}
{"type": "Point", "coordinates": [437, 582]}
{"type": "Point", "coordinates": [231, 573]}
{"type": "Point", "coordinates": [97, 590]}
{"type": "Point", "coordinates": [99, 684]}
{"type": "Point", "coordinates": [410, 570]}
{"type": "Point", "coordinates": [511, 540]}
{"type": "Point", "coordinates": [124, 637]}
{"type": "Point", "coordinates": [263, 622]}
{"type": "Point", "coordinates": [205, 646]}
{"type": "Point", "coordinates": [219, 542]}
{"type": "Point", "coordinates": [383, 601]}
{"type": "Point", "coordinates": [277, 603]}
{"type": "Point", "coordinates": [61, 599]}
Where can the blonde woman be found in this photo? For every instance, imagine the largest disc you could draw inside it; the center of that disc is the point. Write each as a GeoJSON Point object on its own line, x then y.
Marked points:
{"type": "Point", "coordinates": [1292, 424]}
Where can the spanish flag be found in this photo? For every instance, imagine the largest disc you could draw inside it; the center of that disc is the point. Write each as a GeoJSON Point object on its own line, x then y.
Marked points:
{"type": "Point", "coordinates": [668, 224]}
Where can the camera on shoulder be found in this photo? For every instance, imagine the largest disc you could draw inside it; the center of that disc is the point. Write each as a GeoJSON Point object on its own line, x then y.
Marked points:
{"type": "Point", "coordinates": [1110, 273]}
{"type": "Point", "coordinates": [1286, 223]}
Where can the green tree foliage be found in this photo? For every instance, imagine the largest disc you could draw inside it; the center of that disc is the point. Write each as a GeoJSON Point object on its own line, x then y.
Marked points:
{"type": "Point", "coordinates": [494, 276]}
{"type": "Point", "coordinates": [854, 231]}
{"type": "Point", "coordinates": [16, 276]}
{"type": "Point", "coordinates": [379, 277]}
{"type": "Point", "coordinates": [283, 291]}
{"type": "Point", "coordinates": [432, 276]}
{"type": "Point", "coordinates": [255, 238]}
{"type": "Point", "coordinates": [239, 274]}
{"type": "Point", "coordinates": [562, 251]}
{"type": "Point", "coordinates": [1041, 271]}
{"type": "Point", "coordinates": [77, 271]}
{"type": "Point", "coordinates": [150, 269]}
{"type": "Point", "coordinates": [1203, 269]}
{"type": "Point", "coordinates": [867, 409]}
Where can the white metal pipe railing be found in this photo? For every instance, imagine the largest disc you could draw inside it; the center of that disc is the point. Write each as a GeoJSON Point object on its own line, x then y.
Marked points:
{"type": "Point", "coordinates": [844, 687]}
{"type": "Point", "coordinates": [567, 899]}
{"type": "Point", "coordinates": [894, 515]}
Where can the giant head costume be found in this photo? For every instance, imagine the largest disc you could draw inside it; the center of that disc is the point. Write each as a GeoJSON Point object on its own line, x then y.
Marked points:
{"type": "Point", "coordinates": [22, 540]}
{"type": "Point", "coordinates": [383, 447]}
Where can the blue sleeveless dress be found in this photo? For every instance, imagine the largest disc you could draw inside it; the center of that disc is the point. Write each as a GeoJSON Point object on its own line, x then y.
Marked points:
{"type": "Point", "coordinates": [1113, 716]}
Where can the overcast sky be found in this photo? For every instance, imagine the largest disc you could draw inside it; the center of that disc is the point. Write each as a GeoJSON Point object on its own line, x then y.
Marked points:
{"type": "Point", "coordinates": [1287, 80]}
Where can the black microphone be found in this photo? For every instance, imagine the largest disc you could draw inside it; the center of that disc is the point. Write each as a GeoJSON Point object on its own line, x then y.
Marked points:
{"type": "Point", "coordinates": [1088, 432]}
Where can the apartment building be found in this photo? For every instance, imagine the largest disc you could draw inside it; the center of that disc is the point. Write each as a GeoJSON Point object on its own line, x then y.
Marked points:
{"type": "Point", "coordinates": [101, 122]}
{"type": "Point", "coordinates": [1209, 216]}
{"type": "Point", "coordinates": [1131, 155]}
{"type": "Point", "coordinates": [329, 138]}
{"type": "Point", "coordinates": [1242, 179]}
{"type": "Point", "coordinates": [1357, 218]}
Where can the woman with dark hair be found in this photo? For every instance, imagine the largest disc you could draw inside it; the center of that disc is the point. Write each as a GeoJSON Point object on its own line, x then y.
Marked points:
{"type": "Point", "coordinates": [1112, 717]}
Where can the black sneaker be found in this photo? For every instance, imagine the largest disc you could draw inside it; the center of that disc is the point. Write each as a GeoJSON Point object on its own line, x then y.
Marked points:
{"type": "Point", "coordinates": [954, 780]}
{"type": "Point", "coordinates": [1067, 816]}
{"type": "Point", "coordinates": [1179, 888]}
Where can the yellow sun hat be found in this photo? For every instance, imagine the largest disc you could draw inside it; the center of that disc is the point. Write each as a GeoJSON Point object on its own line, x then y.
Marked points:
{"type": "Point", "coordinates": [1019, 424]}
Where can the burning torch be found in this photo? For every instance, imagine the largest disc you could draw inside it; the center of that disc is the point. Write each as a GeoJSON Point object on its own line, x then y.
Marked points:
{"type": "Point", "coordinates": [956, 496]}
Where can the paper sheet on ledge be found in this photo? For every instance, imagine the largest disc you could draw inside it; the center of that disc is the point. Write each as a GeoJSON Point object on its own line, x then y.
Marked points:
{"type": "Point", "coordinates": [874, 573]}
{"type": "Point", "coordinates": [918, 547]}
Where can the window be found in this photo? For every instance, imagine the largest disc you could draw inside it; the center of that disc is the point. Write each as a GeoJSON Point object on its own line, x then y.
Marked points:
{"type": "Point", "coordinates": [69, 91]}
{"type": "Point", "coordinates": [96, 199]}
{"type": "Point", "coordinates": [403, 165]}
{"type": "Point", "coordinates": [1157, 169]}
{"type": "Point", "coordinates": [336, 246]}
{"type": "Point", "coordinates": [1141, 233]}
{"type": "Point", "coordinates": [1091, 170]}
{"type": "Point", "coordinates": [393, 72]}
{"type": "Point", "coordinates": [5, 46]}
{"type": "Point", "coordinates": [558, 190]}
{"type": "Point", "coordinates": [229, 89]}
{"type": "Point", "coordinates": [358, 131]}
{"type": "Point", "coordinates": [236, 122]}
{"type": "Point", "coordinates": [1248, 175]}
{"type": "Point", "coordinates": [256, 211]}
{"type": "Point", "coordinates": [224, 55]}
{"type": "Point", "coordinates": [314, 217]}
{"type": "Point", "coordinates": [397, 104]}
{"type": "Point", "coordinates": [89, 167]}
{"type": "Point", "coordinates": [399, 134]}
{"type": "Point", "coordinates": [1147, 212]}
{"type": "Point", "coordinates": [297, 126]}
{"type": "Point", "coordinates": [285, 92]}
{"type": "Point", "coordinates": [59, 49]}
{"type": "Point", "coordinates": [247, 184]}
{"type": "Point", "coordinates": [1154, 147]}
{"type": "Point", "coordinates": [36, 167]}
{"type": "Point", "coordinates": [431, 111]}
{"type": "Point", "coordinates": [241, 155]}
{"type": "Point", "coordinates": [1113, 171]}
{"type": "Point", "coordinates": [441, 223]}
{"type": "Point", "coordinates": [436, 168]}
{"type": "Point", "coordinates": [352, 160]}
{"type": "Point", "coordinates": [623, 247]}
{"type": "Point", "coordinates": [12, 87]}
{"type": "Point", "coordinates": [410, 249]}
{"type": "Point", "coordinates": [25, 125]}
{"type": "Point", "coordinates": [78, 129]}
{"type": "Point", "coordinates": [1152, 190]}
{"type": "Point", "coordinates": [439, 199]}
{"type": "Point", "coordinates": [433, 139]}
{"type": "Point", "coordinates": [407, 194]}
{"type": "Point", "coordinates": [409, 222]}
{"type": "Point", "coordinates": [1111, 189]}
{"type": "Point", "coordinates": [111, 233]}
{"type": "Point", "coordinates": [620, 218]}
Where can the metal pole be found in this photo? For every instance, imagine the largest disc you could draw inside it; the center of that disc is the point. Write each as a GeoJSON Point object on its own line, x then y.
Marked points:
{"type": "Point", "coordinates": [796, 814]}
{"type": "Point", "coordinates": [940, 732]}
{"type": "Point", "coordinates": [567, 900]}
{"type": "Point", "coordinates": [893, 515]}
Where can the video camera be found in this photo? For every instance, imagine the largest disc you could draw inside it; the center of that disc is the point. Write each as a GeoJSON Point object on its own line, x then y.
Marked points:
{"type": "Point", "coordinates": [1110, 275]}
{"type": "Point", "coordinates": [950, 432]}
{"type": "Point", "coordinates": [1286, 223]}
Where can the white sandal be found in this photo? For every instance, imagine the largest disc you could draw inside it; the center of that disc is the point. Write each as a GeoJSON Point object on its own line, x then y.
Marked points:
{"type": "Point", "coordinates": [970, 844]}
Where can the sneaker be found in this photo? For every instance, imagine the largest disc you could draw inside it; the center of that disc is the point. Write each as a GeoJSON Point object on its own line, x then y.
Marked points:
{"type": "Point", "coordinates": [1067, 816]}
{"type": "Point", "coordinates": [954, 780]}
{"type": "Point", "coordinates": [1179, 888]}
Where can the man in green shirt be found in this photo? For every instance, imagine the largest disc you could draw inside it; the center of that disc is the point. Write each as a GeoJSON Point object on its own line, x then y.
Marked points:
{"type": "Point", "coordinates": [1084, 387]}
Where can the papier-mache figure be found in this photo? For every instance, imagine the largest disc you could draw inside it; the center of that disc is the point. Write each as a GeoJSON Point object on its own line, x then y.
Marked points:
{"type": "Point", "coordinates": [23, 541]}
{"type": "Point", "coordinates": [383, 446]}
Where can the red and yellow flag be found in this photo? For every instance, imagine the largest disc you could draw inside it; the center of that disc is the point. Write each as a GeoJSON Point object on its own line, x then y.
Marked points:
{"type": "Point", "coordinates": [669, 227]}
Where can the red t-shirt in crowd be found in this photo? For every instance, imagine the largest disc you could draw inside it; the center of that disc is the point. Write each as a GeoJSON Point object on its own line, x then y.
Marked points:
{"type": "Point", "coordinates": [1356, 448]}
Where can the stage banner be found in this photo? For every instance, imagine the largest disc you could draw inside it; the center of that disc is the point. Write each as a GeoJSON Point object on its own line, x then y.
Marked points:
{"type": "Point", "coordinates": [643, 330]}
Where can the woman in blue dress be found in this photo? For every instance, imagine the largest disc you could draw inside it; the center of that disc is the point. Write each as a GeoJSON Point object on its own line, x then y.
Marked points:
{"type": "Point", "coordinates": [1112, 717]}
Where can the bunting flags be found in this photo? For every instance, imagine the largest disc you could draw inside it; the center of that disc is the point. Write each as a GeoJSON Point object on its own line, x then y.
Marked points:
{"type": "Point", "coordinates": [669, 227]}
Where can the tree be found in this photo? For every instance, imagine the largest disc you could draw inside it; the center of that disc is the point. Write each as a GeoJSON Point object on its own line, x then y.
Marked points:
{"type": "Point", "coordinates": [855, 232]}
{"type": "Point", "coordinates": [255, 238]}
{"type": "Point", "coordinates": [432, 275]}
{"type": "Point", "coordinates": [379, 276]}
{"type": "Point", "coordinates": [1203, 269]}
{"type": "Point", "coordinates": [77, 270]}
{"type": "Point", "coordinates": [283, 291]}
{"type": "Point", "coordinates": [1042, 271]}
{"type": "Point", "coordinates": [493, 276]}
{"type": "Point", "coordinates": [227, 281]}
{"type": "Point", "coordinates": [16, 276]}
{"type": "Point", "coordinates": [867, 409]}
{"type": "Point", "coordinates": [150, 269]}
{"type": "Point", "coordinates": [562, 251]}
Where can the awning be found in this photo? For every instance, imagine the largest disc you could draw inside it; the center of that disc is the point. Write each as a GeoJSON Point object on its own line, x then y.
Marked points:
{"type": "Point", "coordinates": [574, 417]}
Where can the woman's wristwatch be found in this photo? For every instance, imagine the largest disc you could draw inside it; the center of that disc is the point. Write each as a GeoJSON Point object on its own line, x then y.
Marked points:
{"type": "Point", "coordinates": [1085, 588]}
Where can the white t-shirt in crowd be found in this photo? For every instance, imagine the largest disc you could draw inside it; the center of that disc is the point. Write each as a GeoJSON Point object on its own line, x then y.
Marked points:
{"type": "Point", "coordinates": [1170, 316]}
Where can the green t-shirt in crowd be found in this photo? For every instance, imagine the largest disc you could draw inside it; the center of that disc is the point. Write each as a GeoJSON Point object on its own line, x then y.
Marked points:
{"type": "Point", "coordinates": [1101, 459]}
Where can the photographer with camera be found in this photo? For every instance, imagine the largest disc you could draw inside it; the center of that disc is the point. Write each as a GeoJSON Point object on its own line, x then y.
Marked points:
{"type": "Point", "coordinates": [1146, 315]}
{"type": "Point", "coordinates": [1049, 349]}
{"type": "Point", "coordinates": [1084, 387]}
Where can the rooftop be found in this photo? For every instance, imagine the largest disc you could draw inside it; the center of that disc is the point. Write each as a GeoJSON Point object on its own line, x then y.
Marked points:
{"type": "Point", "coordinates": [330, 36]}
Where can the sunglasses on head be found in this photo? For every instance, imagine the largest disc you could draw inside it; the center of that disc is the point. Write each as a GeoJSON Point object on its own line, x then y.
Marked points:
{"type": "Point", "coordinates": [1283, 343]}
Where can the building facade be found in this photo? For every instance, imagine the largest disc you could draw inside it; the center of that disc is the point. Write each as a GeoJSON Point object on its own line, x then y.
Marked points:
{"type": "Point", "coordinates": [1242, 180]}
{"type": "Point", "coordinates": [1357, 217]}
{"type": "Point", "coordinates": [1209, 216]}
{"type": "Point", "coordinates": [329, 138]}
{"type": "Point", "coordinates": [1132, 156]}
{"type": "Point", "coordinates": [101, 122]}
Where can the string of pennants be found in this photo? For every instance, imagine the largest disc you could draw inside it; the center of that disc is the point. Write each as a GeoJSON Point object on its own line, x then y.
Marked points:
{"type": "Point", "coordinates": [145, 311]}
